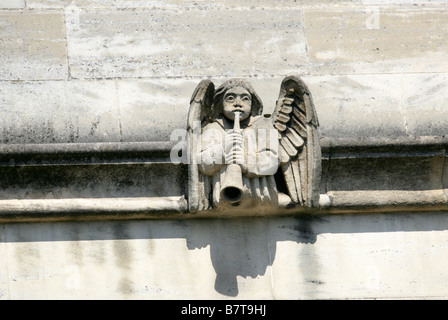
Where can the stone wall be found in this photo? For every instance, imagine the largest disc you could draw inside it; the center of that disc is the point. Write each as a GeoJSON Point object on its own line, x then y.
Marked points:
{"type": "Point", "coordinates": [384, 256]}
{"type": "Point", "coordinates": [100, 71]}
{"type": "Point", "coordinates": [123, 71]}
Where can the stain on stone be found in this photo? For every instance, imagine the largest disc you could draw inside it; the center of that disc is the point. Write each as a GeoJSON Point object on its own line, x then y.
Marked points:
{"type": "Point", "coordinates": [315, 281]}
{"type": "Point", "coordinates": [27, 254]}
{"type": "Point", "coordinates": [93, 181]}
{"type": "Point", "coordinates": [121, 249]}
{"type": "Point", "coordinates": [49, 132]}
{"type": "Point", "coordinates": [76, 248]}
{"type": "Point", "coordinates": [301, 229]}
{"type": "Point", "coordinates": [125, 286]}
{"type": "Point", "coordinates": [72, 129]}
{"type": "Point", "coordinates": [94, 125]}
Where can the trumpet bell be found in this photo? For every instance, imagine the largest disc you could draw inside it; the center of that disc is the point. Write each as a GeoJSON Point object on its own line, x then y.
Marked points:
{"type": "Point", "coordinates": [232, 186]}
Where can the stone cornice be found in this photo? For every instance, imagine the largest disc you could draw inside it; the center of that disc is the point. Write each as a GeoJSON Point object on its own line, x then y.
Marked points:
{"type": "Point", "coordinates": [159, 151]}
{"type": "Point", "coordinates": [53, 181]}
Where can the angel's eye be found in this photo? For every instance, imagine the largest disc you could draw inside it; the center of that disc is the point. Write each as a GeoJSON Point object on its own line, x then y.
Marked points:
{"type": "Point", "coordinates": [246, 98]}
{"type": "Point", "coordinates": [230, 98]}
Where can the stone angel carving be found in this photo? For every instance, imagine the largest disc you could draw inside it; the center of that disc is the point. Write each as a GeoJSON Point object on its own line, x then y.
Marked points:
{"type": "Point", "coordinates": [240, 158]}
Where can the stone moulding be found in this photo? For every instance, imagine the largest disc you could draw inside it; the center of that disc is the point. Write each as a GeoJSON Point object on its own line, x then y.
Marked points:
{"type": "Point", "coordinates": [131, 180]}
{"type": "Point", "coordinates": [84, 153]}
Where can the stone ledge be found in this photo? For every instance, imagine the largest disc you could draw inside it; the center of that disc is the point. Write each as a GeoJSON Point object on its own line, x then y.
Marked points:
{"type": "Point", "coordinates": [91, 209]}
{"type": "Point", "coordinates": [84, 153]}
{"type": "Point", "coordinates": [159, 151]}
{"type": "Point", "coordinates": [137, 180]}
{"type": "Point", "coordinates": [177, 207]}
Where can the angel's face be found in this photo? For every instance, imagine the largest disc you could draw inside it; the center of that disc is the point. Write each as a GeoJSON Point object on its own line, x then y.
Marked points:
{"type": "Point", "coordinates": [237, 99]}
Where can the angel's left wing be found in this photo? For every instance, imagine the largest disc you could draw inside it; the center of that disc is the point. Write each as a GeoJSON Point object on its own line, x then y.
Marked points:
{"type": "Point", "coordinates": [295, 119]}
{"type": "Point", "coordinates": [199, 113]}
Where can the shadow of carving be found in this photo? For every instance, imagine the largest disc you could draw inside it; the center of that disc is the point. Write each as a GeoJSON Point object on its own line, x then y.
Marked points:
{"type": "Point", "coordinates": [243, 247]}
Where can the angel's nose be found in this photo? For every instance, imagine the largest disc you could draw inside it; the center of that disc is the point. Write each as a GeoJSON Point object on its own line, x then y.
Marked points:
{"type": "Point", "coordinates": [238, 103]}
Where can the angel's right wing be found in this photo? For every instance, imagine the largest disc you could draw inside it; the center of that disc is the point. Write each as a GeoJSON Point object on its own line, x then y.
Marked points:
{"type": "Point", "coordinates": [295, 119]}
{"type": "Point", "coordinates": [198, 114]}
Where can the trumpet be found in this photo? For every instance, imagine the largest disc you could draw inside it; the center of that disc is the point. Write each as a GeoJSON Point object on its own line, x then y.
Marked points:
{"type": "Point", "coordinates": [232, 184]}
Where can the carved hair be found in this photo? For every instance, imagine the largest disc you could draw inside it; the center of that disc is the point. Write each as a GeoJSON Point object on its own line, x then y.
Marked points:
{"type": "Point", "coordinates": [257, 105]}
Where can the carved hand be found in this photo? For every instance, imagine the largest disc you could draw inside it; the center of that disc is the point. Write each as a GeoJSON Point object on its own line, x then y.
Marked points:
{"type": "Point", "coordinates": [234, 152]}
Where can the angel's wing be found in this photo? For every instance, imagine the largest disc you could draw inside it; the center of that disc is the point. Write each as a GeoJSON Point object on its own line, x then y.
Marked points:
{"type": "Point", "coordinates": [199, 112]}
{"type": "Point", "coordinates": [296, 120]}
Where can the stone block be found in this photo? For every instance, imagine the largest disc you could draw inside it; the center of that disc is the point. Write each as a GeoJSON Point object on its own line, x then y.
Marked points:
{"type": "Point", "coordinates": [320, 257]}
{"type": "Point", "coordinates": [426, 96]}
{"type": "Point", "coordinates": [404, 2]}
{"type": "Point", "coordinates": [382, 105]}
{"type": "Point", "coordinates": [377, 40]}
{"type": "Point", "coordinates": [350, 257]}
{"type": "Point", "coordinates": [12, 4]}
{"type": "Point", "coordinates": [347, 106]}
{"type": "Point", "coordinates": [151, 109]}
{"type": "Point", "coordinates": [59, 112]}
{"type": "Point", "coordinates": [136, 110]}
{"type": "Point", "coordinates": [102, 111]}
{"type": "Point", "coordinates": [181, 3]}
{"type": "Point", "coordinates": [65, 3]}
{"type": "Point", "coordinates": [350, 106]}
{"type": "Point", "coordinates": [33, 45]}
{"type": "Point", "coordinates": [138, 260]}
{"type": "Point", "coordinates": [153, 43]}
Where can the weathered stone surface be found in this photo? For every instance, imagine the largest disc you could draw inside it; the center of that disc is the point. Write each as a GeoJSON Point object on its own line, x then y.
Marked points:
{"type": "Point", "coordinates": [363, 174]}
{"type": "Point", "coordinates": [371, 256]}
{"type": "Point", "coordinates": [33, 45]}
{"type": "Point", "coordinates": [377, 40]}
{"type": "Point", "coordinates": [101, 111]}
{"type": "Point", "coordinates": [403, 2]}
{"type": "Point", "coordinates": [134, 260]}
{"type": "Point", "coordinates": [152, 43]}
{"type": "Point", "coordinates": [59, 111]}
{"type": "Point", "coordinates": [12, 4]}
{"type": "Point", "coordinates": [94, 181]}
{"type": "Point", "coordinates": [426, 97]}
{"type": "Point", "coordinates": [359, 105]}
{"type": "Point", "coordinates": [129, 110]}
{"type": "Point", "coordinates": [150, 110]}
{"type": "Point", "coordinates": [384, 182]}
{"type": "Point", "coordinates": [327, 257]}
{"type": "Point", "coordinates": [93, 111]}
{"type": "Point", "coordinates": [348, 106]}
{"type": "Point", "coordinates": [180, 3]}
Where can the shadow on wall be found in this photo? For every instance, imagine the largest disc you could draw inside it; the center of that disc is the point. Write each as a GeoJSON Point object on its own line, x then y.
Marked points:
{"type": "Point", "coordinates": [238, 247]}
{"type": "Point", "coordinates": [244, 247]}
